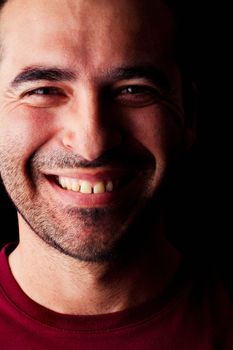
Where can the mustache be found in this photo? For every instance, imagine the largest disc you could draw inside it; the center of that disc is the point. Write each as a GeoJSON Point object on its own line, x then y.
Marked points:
{"type": "Point", "coordinates": [61, 159]}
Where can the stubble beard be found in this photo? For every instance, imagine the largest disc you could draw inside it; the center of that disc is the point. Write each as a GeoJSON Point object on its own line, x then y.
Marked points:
{"type": "Point", "coordinates": [86, 234]}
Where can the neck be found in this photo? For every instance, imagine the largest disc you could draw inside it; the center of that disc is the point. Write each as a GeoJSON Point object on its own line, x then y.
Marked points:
{"type": "Point", "coordinates": [76, 287]}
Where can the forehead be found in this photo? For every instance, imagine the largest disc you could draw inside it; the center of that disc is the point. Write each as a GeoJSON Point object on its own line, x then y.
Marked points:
{"type": "Point", "coordinates": [87, 31]}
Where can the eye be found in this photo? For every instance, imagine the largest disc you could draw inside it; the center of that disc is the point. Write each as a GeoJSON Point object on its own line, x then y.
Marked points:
{"type": "Point", "coordinates": [45, 97]}
{"type": "Point", "coordinates": [137, 95]}
{"type": "Point", "coordinates": [45, 91]}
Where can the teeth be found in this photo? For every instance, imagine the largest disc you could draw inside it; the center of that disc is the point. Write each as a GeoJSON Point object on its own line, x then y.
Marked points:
{"type": "Point", "coordinates": [75, 185]}
{"type": "Point", "coordinates": [68, 185]}
{"type": "Point", "coordinates": [62, 182]}
{"type": "Point", "coordinates": [85, 186]}
{"type": "Point", "coordinates": [109, 186]}
{"type": "Point", "coordinates": [99, 188]}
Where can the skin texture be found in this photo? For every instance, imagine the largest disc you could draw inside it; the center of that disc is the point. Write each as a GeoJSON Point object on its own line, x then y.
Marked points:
{"type": "Point", "coordinates": [90, 126]}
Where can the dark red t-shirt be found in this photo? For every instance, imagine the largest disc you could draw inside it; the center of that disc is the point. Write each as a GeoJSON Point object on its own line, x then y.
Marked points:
{"type": "Point", "coordinates": [193, 314]}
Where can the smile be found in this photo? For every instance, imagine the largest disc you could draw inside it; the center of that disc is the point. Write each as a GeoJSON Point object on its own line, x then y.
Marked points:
{"type": "Point", "coordinates": [83, 186]}
{"type": "Point", "coordinates": [99, 189]}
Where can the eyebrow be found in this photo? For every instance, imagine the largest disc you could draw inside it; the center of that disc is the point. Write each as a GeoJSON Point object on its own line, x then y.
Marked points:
{"type": "Point", "coordinates": [41, 73]}
{"type": "Point", "coordinates": [56, 74]}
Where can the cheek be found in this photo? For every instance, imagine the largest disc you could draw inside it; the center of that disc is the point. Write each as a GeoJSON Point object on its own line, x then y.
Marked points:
{"type": "Point", "coordinates": [23, 131]}
{"type": "Point", "coordinates": [158, 131]}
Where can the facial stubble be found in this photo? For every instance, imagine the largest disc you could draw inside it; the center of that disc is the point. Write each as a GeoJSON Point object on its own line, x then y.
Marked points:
{"type": "Point", "coordinates": [86, 234]}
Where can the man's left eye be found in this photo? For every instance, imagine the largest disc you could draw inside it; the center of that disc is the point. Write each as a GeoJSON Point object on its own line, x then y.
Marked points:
{"type": "Point", "coordinates": [137, 95]}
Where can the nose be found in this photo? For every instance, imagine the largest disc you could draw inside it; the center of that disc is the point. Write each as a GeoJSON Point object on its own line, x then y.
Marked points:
{"type": "Point", "coordinates": [89, 129]}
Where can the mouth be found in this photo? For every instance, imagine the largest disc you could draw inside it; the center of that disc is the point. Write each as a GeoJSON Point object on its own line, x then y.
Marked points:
{"type": "Point", "coordinates": [93, 186]}
{"type": "Point", "coordinates": [93, 189]}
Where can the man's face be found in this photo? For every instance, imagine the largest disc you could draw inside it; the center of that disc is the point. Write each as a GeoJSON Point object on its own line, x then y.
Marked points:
{"type": "Point", "coordinates": [90, 116]}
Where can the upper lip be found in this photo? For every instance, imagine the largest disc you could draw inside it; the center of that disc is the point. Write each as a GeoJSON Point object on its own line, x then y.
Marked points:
{"type": "Point", "coordinates": [90, 174]}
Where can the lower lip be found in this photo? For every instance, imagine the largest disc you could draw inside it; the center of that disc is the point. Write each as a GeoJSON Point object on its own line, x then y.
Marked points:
{"type": "Point", "coordinates": [84, 200]}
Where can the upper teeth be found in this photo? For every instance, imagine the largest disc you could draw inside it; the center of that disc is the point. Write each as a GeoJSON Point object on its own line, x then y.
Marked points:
{"type": "Point", "coordinates": [85, 186]}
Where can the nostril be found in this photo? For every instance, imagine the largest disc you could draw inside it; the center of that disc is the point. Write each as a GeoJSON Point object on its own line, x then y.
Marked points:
{"type": "Point", "coordinates": [68, 140]}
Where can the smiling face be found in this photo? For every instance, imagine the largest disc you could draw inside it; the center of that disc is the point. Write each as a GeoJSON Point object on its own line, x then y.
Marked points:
{"type": "Point", "coordinates": [90, 117]}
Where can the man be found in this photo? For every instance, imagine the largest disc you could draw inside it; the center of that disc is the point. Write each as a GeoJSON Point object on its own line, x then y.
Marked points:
{"type": "Point", "coordinates": [91, 119]}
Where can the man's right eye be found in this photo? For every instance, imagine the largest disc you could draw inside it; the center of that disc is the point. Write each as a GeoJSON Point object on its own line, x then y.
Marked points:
{"type": "Point", "coordinates": [44, 97]}
{"type": "Point", "coordinates": [45, 91]}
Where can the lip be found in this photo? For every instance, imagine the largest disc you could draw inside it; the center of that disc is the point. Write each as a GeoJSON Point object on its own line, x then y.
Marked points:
{"type": "Point", "coordinates": [92, 177]}
{"type": "Point", "coordinates": [127, 186]}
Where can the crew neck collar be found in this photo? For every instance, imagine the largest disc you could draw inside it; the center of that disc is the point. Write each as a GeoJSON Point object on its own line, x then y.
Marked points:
{"type": "Point", "coordinates": [155, 308]}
